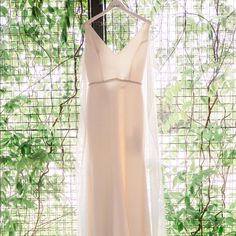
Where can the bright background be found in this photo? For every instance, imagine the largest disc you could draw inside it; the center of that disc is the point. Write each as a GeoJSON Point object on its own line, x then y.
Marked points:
{"type": "Point", "coordinates": [41, 46]}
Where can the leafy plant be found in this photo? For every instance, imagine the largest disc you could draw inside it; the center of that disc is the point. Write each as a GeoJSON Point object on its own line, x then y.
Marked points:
{"type": "Point", "coordinates": [33, 147]}
{"type": "Point", "coordinates": [40, 52]}
{"type": "Point", "coordinates": [201, 120]}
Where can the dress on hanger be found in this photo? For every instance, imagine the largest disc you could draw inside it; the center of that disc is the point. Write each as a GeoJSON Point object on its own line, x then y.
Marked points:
{"type": "Point", "coordinates": [117, 141]}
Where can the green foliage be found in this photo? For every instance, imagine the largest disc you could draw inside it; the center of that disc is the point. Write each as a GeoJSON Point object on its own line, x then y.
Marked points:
{"type": "Point", "coordinates": [3, 11]}
{"type": "Point", "coordinates": [34, 37]}
{"type": "Point", "coordinates": [24, 160]}
{"type": "Point", "coordinates": [42, 40]}
{"type": "Point", "coordinates": [15, 103]}
{"type": "Point", "coordinates": [197, 203]}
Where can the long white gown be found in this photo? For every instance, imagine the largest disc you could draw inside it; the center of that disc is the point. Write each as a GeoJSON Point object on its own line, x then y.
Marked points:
{"type": "Point", "coordinates": [119, 175]}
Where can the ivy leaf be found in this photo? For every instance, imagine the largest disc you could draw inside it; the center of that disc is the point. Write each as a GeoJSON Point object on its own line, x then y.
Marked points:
{"type": "Point", "coordinates": [25, 148]}
{"type": "Point", "coordinates": [12, 232]}
{"type": "Point", "coordinates": [67, 20]}
{"type": "Point", "coordinates": [64, 34]}
{"type": "Point", "coordinates": [4, 142]}
{"type": "Point", "coordinates": [19, 187]}
{"type": "Point", "coordinates": [180, 226]}
{"type": "Point", "coordinates": [199, 177]}
{"type": "Point", "coordinates": [27, 203]}
{"type": "Point", "coordinates": [31, 2]}
{"type": "Point", "coordinates": [49, 20]}
{"type": "Point", "coordinates": [228, 157]}
{"type": "Point", "coordinates": [3, 11]}
{"type": "Point", "coordinates": [179, 178]}
{"type": "Point", "coordinates": [3, 195]}
{"type": "Point", "coordinates": [221, 230]}
{"type": "Point", "coordinates": [36, 12]}
{"type": "Point", "coordinates": [187, 201]}
{"type": "Point", "coordinates": [40, 154]}
{"type": "Point", "coordinates": [208, 172]}
{"type": "Point", "coordinates": [230, 220]}
{"type": "Point", "coordinates": [24, 13]}
{"type": "Point", "coordinates": [210, 208]}
{"type": "Point", "coordinates": [192, 190]}
{"type": "Point", "coordinates": [22, 164]}
{"type": "Point", "coordinates": [5, 55]}
{"type": "Point", "coordinates": [204, 99]}
{"type": "Point", "coordinates": [50, 9]}
{"type": "Point", "coordinates": [210, 32]}
{"type": "Point", "coordinates": [15, 103]}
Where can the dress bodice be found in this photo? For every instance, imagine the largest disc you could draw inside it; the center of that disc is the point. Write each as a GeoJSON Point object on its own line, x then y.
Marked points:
{"type": "Point", "coordinates": [102, 64]}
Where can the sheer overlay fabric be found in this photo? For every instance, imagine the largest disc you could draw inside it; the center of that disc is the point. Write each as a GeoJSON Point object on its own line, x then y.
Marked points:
{"type": "Point", "coordinates": [152, 155]}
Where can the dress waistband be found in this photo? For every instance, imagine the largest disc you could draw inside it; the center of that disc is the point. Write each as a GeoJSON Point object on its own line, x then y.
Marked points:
{"type": "Point", "coordinates": [115, 79]}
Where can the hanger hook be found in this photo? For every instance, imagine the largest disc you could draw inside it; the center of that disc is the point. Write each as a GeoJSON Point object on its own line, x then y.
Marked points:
{"type": "Point", "coordinates": [116, 3]}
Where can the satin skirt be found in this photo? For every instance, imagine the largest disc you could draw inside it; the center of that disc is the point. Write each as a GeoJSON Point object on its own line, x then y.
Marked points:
{"type": "Point", "coordinates": [117, 187]}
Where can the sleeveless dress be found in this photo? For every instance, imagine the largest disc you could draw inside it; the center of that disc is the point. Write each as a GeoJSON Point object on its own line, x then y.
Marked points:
{"type": "Point", "coordinates": [117, 200]}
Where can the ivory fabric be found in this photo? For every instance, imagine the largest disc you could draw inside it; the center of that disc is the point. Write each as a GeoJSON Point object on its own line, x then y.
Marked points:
{"type": "Point", "coordinates": [116, 183]}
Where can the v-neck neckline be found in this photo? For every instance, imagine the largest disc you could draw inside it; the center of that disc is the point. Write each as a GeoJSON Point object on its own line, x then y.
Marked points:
{"type": "Point", "coordinates": [118, 53]}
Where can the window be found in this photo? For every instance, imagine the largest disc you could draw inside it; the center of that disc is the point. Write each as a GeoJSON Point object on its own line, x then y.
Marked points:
{"type": "Point", "coordinates": [41, 45]}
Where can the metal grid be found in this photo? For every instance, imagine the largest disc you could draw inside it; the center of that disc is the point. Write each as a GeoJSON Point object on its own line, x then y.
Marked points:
{"type": "Point", "coordinates": [184, 115]}
{"type": "Point", "coordinates": [40, 103]}
{"type": "Point", "coordinates": [181, 104]}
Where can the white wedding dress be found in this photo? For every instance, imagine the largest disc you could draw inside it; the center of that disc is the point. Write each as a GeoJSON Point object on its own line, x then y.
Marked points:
{"type": "Point", "coordinates": [118, 169]}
